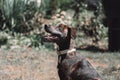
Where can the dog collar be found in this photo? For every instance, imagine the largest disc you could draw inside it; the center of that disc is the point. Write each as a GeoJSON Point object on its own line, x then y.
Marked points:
{"type": "Point", "coordinates": [67, 51]}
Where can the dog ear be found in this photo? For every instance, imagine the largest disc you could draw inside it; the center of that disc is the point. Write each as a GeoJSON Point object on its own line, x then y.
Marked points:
{"type": "Point", "coordinates": [73, 33]}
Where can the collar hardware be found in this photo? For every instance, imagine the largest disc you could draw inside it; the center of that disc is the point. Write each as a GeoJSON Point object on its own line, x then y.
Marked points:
{"type": "Point", "coordinates": [67, 51]}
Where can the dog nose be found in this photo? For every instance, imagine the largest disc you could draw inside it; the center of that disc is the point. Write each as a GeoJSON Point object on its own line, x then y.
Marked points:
{"type": "Point", "coordinates": [46, 27]}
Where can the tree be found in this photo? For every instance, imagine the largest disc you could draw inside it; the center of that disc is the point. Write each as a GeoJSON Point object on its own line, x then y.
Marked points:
{"type": "Point", "coordinates": [113, 18]}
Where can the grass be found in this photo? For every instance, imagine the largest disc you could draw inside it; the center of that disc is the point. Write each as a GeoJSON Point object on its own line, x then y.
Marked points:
{"type": "Point", "coordinates": [31, 64]}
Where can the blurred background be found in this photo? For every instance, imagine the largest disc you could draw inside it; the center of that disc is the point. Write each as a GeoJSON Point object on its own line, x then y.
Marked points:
{"type": "Point", "coordinates": [22, 21]}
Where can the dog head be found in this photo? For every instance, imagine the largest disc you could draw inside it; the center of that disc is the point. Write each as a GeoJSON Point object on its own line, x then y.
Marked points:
{"type": "Point", "coordinates": [62, 35]}
{"type": "Point", "coordinates": [59, 34]}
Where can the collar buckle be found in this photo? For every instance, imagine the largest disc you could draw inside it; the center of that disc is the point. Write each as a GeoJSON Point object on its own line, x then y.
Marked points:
{"type": "Point", "coordinates": [67, 51]}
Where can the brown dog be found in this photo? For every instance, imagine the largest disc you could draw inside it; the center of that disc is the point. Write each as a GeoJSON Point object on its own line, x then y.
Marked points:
{"type": "Point", "coordinates": [71, 65]}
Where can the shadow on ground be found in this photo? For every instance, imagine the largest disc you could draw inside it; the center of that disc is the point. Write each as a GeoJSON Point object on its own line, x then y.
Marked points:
{"type": "Point", "coordinates": [93, 48]}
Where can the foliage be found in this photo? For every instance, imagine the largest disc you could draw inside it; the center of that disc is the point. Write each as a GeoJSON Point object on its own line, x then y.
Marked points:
{"type": "Point", "coordinates": [3, 38]}
{"type": "Point", "coordinates": [90, 24]}
{"type": "Point", "coordinates": [18, 14]}
{"type": "Point", "coordinates": [22, 19]}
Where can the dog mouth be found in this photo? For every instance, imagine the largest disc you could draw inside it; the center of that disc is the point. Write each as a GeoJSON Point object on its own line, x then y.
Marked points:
{"type": "Point", "coordinates": [50, 38]}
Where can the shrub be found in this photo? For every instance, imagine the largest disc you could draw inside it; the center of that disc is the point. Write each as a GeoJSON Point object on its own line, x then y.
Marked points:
{"type": "Point", "coordinates": [3, 38]}
{"type": "Point", "coordinates": [18, 14]}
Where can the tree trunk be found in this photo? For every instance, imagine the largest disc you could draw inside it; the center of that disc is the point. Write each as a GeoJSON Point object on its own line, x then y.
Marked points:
{"type": "Point", "coordinates": [112, 11]}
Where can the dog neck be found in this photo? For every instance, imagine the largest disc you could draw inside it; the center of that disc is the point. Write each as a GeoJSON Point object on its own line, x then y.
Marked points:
{"type": "Point", "coordinates": [68, 43]}
{"type": "Point", "coordinates": [67, 49]}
